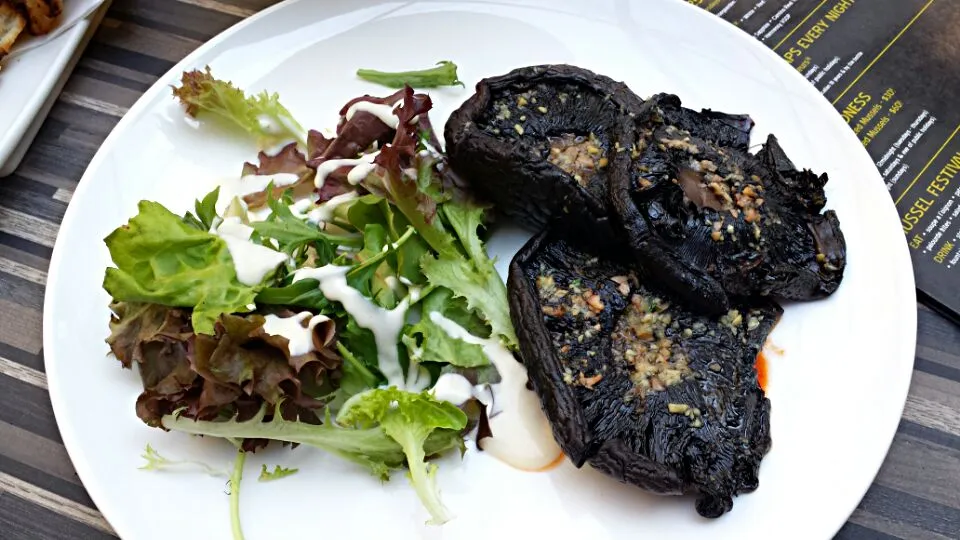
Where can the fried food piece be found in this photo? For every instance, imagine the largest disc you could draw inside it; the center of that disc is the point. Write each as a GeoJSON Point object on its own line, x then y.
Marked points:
{"type": "Point", "coordinates": [42, 15]}
{"type": "Point", "coordinates": [12, 24]}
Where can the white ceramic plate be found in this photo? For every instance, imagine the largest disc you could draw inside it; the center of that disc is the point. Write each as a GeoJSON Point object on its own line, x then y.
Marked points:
{"type": "Point", "coordinates": [837, 391]}
{"type": "Point", "coordinates": [34, 73]}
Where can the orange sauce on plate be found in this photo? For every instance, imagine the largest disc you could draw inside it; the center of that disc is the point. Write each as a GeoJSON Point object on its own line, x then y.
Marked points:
{"type": "Point", "coordinates": [761, 366]}
{"type": "Point", "coordinates": [553, 464]}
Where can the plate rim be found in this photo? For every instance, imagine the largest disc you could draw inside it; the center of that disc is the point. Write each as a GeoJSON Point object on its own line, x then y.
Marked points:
{"type": "Point", "coordinates": [84, 472]}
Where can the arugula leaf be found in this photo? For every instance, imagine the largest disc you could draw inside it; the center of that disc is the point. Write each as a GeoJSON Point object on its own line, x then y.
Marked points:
{"type": "Point", "coordinates": [293, 233]}
{"type": "Point", "coordinates": [416, 206]}
{"type": "Point", "coordinates": [261, 116]}
{"type": "Point", "coordinates": [444, 74]}
{"type": "Point", "coordinates": [407, 198]}
{"type": "Point", "coordinates": [373, 210]}
{"type": "Point", "coordinates": [206, 209]}
{"type": "Point", "coordinates": [162, 260]}
{"type": "Point", "coordinates": [409, 254]}
{"type": "Point", "coordinates": [362, 346]}
{"type": "Point", "coordinates": [366, 210]}
{"type": "Point", "coordinates": [374, 243]}
{"type": "Point", "coordinates": [356, 376]}
{"type": "Point", "coordinates": [371, 447]}
{"type": "Point", "coordinates": [304, 294]}
{"type": "Point", "coordinates": [277, 473]}
{"type": "Point", "coordinates": [409, 419]}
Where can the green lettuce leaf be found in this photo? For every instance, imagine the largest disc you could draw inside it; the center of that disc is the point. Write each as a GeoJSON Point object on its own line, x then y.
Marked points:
{"type": "Point", "coordinates": [466, 220]}
{"type": "Point", "coordinates": [261, 116]}
{"type": "Point", "coordinates": [480, 285]}
{"type": "Point", "coordinates": [444, 74]}
{"type": "Point", "coordinates": [409, 419]}
{"type": "Point", "coordinates": [162, 260]}
{"type": "Point", "coordinates": [427, 342]}
{"type": "Point", "coordinates": [442, 300]}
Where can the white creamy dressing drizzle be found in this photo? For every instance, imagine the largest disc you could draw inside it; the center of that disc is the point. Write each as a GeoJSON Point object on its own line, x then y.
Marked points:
{"type": "Point", "coordinates": [240, 187]}
{"type": "Point", "coordinates": [393, 283]}
{"type": "Point", "coordinates": [429, 150]}
{"type": "Point", "coordinates": [382, 111]}
{"type": "Point", "coordinates": [276, 126]}
{"type": "Point", "coordinates": [360, 171]}
{"type": "Point", "coordinates": [453, 388]}
{"type": "Point", "coordinates": [522, 437]}
{"type": "Point", "coordinates": [299, 335]}
{"type": "Point", "coordinates": [252, 261]}
{"type": "Point", "coordinates": [254, 183]}
{"type": "Point", "coordinates": [300, 208]}
{"type": "Point", "coordinates": [363, 164]}
{"type": "Point", "coordinates": [324, 212]}
{"type": "Point", "coordinates": [385, 324]}
{"type": "Point", "coordinates": [268, 124]}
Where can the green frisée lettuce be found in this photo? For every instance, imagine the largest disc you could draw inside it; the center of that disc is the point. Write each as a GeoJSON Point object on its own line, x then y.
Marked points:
{"type": "Point", "coordinates": [157, 462]}
{"type": "Point", "coordinates": [443, 74]}
{"type": "Point", "coordinates": [427, 342]}
{"type": "Point", "coordinates": [161, 260]}
{"type": "Point", "coordinates": [370, 447]}
{"type": "Point", "coordinates": [409, 419]}
{"type": "Point", "coordinates": [261, 115]}
{"type": "Point", "coordinates": [475, 276]}
{"type": "Point", "coordinates": [278, 472]}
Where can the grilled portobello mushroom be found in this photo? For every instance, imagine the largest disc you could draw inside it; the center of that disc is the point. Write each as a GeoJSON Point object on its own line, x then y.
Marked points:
{"type": "Point", "coordinates": [542, 142]}
{"type": "Point", "coordinates": [722, 129]}
{"type": "Point", "coordinates": [729, 222]}
{"type": "Point", "coordinates": [640, 388]}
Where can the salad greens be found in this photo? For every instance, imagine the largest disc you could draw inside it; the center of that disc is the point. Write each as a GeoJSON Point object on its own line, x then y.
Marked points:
{"type": "Point", "coordinates": [261, 115]}
{"type": "Point", "coordinates": [277, 473]}
{"type": "Point", "coordinates": [162, 260]}
{"type": "Point", "coordinates": [157, 462]}
{"type": "Point", "coordinates": [370, 447]}
{"type": "Point", "coordinates": [224, 360]}
{"type": "Point", "coordinates": [410, 420]}
{"type": "Point", "coordinates": [444, 74]}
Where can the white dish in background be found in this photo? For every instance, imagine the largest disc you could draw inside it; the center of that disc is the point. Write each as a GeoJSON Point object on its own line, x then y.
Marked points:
{"type": "Point", "coordinates": [33, 75]}
{"type": "Point", "coordinates": [837, 391]}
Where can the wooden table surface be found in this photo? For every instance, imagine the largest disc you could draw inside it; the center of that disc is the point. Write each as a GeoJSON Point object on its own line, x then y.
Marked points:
{"type": "Point", "coordinates": [916, 494]}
